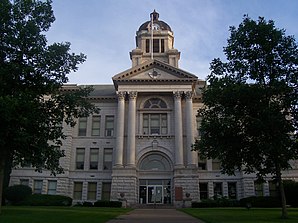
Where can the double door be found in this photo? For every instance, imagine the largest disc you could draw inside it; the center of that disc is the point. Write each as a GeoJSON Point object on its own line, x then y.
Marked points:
{"type": "Point", "coordinates": [155, 194]}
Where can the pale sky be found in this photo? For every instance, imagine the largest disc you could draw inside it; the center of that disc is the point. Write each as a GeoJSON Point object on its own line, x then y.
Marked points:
{"type": "Point", "coordinates": [105, 30]}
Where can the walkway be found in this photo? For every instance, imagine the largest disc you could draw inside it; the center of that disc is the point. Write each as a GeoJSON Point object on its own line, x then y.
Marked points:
{"type": "Point", "coordinates": [155, 216]}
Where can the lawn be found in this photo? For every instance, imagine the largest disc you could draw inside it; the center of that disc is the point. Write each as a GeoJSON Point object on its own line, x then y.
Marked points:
{"type": "Point", "coordinates": [241, 215]}
{"type": "Point", "coordinates": [13, 214]}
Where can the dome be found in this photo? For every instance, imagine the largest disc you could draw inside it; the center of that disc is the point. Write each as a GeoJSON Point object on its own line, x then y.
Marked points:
{"type": "Point", "coordinates": [162, 25]}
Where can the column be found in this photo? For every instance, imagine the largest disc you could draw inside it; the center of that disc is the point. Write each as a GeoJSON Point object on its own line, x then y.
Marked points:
{"type": "Point", "coordinates": [120, 130]}
{"type": "Point", "coordinates": [178, 130]}
{"type": "Point", "coordinates": [192, 156]}
{"type": "Point", "coordinates": [131, 132]}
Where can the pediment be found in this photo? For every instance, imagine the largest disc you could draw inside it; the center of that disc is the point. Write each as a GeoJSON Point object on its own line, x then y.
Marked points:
{"type": "Point", "coordinates": [155, 71]}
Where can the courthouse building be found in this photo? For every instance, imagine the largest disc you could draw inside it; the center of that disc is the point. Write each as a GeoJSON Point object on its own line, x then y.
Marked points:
{"type": "Point", "coordinates": [139, 145]}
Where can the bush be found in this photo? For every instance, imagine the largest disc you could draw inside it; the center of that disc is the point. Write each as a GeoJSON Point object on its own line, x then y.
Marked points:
{"type": "Point", "coordinates": [47, 200]}
{"type": "Point", "coordinates": [17, 193]}
{"type": "Point", "coordinates": [291, 191]}
{"type": "Point", "coordinates": [87, 204]}
{"type": "Point", "coordinates": [219, 202]}
{"type": "Point", "coordinates": [114, 204]}
{"type": "Point", "coordinates": [261, 202]}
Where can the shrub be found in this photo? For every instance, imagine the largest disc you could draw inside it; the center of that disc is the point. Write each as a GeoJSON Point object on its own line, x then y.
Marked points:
{"type": "Point", "coordinates": [114, 204]}
{"type": "Point", "coordinates": [261, 202]}
{"type": "Point", "coordinates": [291, 191]}
{"type": "Point", "coordinates": [47, 200]}
{"type": "Point", "coordinates": [218, 202]}
{"type": "Point", "coordinates": [17, 193]}
{"type": "Point", "coordinates": [87, 204]}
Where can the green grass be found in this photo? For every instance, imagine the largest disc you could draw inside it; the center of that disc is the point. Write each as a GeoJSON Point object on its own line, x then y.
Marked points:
{"type": "Point", "coordinates": [13, 214]}
{"type": "Point", "coordinates": [241, 215]}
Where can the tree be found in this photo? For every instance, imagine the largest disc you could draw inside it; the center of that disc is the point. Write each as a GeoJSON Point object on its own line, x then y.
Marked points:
{"type": "Point", "coordinates": [249, 121]}
{"type": "Point", "coordinates": [33, 103]}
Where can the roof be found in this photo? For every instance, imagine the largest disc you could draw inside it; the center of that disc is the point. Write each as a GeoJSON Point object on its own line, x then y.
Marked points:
{"type": "Point", "coordinates": [162, 25]}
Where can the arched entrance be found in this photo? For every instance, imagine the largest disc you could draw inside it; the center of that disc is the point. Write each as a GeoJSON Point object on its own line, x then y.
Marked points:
{"type": "Point", "coordinates": [155, 179]}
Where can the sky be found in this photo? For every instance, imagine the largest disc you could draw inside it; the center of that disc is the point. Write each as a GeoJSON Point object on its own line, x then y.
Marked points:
{"type": "Point", "coordinates": [105, 30]}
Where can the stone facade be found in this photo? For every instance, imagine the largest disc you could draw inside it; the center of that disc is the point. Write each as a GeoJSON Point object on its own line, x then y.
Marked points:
{"type": "Point", "coordinates": [138, 148]}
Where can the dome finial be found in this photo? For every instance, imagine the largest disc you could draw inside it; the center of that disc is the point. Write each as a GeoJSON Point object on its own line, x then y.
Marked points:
{"type": "Point", "coordinates": [154, 15]}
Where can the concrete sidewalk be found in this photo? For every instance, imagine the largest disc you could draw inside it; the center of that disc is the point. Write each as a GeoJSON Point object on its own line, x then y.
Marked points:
{"type": "Point", "coordinates": [155, 216]}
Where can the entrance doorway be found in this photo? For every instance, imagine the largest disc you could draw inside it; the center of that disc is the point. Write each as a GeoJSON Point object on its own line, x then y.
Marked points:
{"type": "Point", "coordinates": [155, 192]}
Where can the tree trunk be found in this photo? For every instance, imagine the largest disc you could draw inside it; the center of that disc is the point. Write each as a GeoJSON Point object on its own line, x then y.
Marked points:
{"type": "Point", "coordinates": [284, 213]}
{"type": "Point", "coordinates": [2, 167]}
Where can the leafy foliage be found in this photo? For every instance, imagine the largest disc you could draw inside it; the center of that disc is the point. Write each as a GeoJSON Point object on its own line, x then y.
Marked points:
{"type": "Point", "coordinates": [249, 121]}
{"type": "Point", "coordinates": [33, 100]}
{"type": "Point", "coordinates": [33, 103]}
{"type": "Point", "coordinates": [47, 200]}
{"type": "Point", "coordinates": [17, 193]}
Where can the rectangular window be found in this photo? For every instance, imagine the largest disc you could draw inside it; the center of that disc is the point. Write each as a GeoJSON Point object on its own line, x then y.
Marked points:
{"type": "Point", "coordinates": [216, 165]}
{"type": "Point", "coordinates": [232, 190]}
{"type": "Point", "coordinates": [95, 125]}
{"type": "Point", "coordinates": [92, 190]}
{"type": "Point", "coordinates": [37, 186]}
{"type": "Point", "coordinates": [106, 191]}
{"type": "Point", "coordinates": [82, 126]}
{"type": "Point", "coordinates": [155, 124]}
{"type": "Point", "coordinates": [258, 189]}
{"type": "Point", "coordinates": [107, 159]}
{"type": "Point", "coordinates": [24, 182]}
{"type": "Point", "coordinates": [147, 46]}
{"type": "Point", "coordinates": [155, 45]}
{"type": "Point", "coordinates": [273, 190]}
{"type": "Point", "coordinates": [202, 163]}
{"type": "Point", "coordinates": [203, 191]}
{"type": "Point", "coordinates": [77, 190]}
{"type": "Point", "coordinates": [217, 189]}
{"type": "Point", "coordinates": [162, 42]}
{"type": "Point", "coordinates": [109, 125]}
{"type": "Point", "coordinates": [199, 121]}
{"type": "Point", "coordinates": [80, 158]}
{"type": "Point", "coordinates": [93, 158]}
{"type": "Point", "coordinates": [52, 186]}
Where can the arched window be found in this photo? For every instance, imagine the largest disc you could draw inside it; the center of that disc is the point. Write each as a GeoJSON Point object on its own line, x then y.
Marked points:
{"type": "Point", "coordinates": [155, 103]}
{"type": "Point", "coordinates": [155, 162]}
{"type": "Point", "coordinates": [155, 118]}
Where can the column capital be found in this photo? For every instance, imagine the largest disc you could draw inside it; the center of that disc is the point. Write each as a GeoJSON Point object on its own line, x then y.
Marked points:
{"type": "Point", "coordinates": [132, 94]}
{"type": "Point", "coordinates": [121, 95]}
{"type": "Point", "coordinates": [177, 94]}
{"type": "Point", "coordinates": [188, 94]}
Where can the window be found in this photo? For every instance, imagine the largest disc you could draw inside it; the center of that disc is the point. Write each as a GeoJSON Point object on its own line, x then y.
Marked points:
{"type": "Point", "coordinates": [258, 189]}
{"type": "Point", "coordinates": [155, 162]}
{"type": "Point", "coordinates": [80, 158]}
{"type": "Point", "coordinates": [147, 46]}
{"type": "Point", "coordinates": [95, 125]}
{"type": "Point", "coordinates": [232, 190]}
{"type": "Point", "coordinates": [106, 191]}
{"type": "Point", "coordinates": [37, 187]}
{"type": "Point", "coordinates": [109, 125]}
{"type": "Point", "coordinates": [273, 190]}
{"type": "Point", "coordinates": [199, 121]}
{"type": "Point", "coordinates": [24, 182]}
{"type": "Point", "coordinates": [202, 163]}
{"type": "Point", "coordinates": [203, 191]}
{"type": "Point", "coordinates": [52, 186]}
{"type": "Point", "coordinates": [82, 126]}
{"type": "Point", "coordinates": [107, 159]}
{"type": "Point", "coordinates": [217, 189]}
{"type": "Point", "coordinates": [92, 190]}
{"type": "Point", "coordinates": [155, 45]}
{"type": "Point", "coordinates": [155, 123]}
{"type": "Point", "coordinates": [93, 159]}
{"type": "Point", "coordinates": [216, 164]}
{"type": "Point", "coordinates": [77, 190]}
{"type": "Point", "coordinates": [162, 48]}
